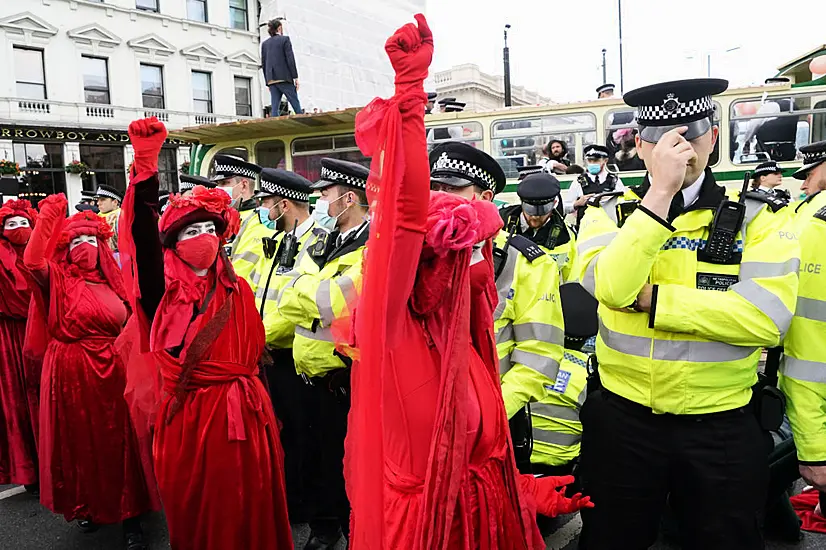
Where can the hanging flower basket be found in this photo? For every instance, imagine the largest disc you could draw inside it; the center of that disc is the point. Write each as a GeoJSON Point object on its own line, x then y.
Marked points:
{"type": "Point", "coordinates": [9, 168]}
{"type": "Point", "coordinates": [76, 167]}
{"type": "Point", "coordinates": [185, 168]}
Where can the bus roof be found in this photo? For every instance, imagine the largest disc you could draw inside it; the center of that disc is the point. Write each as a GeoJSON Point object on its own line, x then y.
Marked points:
{"type": "Point", "coordinates": [344, 120]}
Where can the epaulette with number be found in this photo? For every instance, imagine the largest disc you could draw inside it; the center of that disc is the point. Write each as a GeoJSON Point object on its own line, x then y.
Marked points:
{"type": "Point", "coordinates": [596, 200]}
{"type": "Point", "coordinates": [526, 247]}
{"type": "Point", "coordinates": [774, 203]}
{"type": "Point", "coordinates": [821, 214]}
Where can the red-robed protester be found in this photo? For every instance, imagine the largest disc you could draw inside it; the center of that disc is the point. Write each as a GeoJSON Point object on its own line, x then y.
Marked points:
{"type": "Point", "coordinates": [18, 451]}
{"type": "Point", "coordinates": [429, 462]}
{"type": "Point", "coordinates": [90, 467]}
{"type": "Point", "coordinates": [218, 458]}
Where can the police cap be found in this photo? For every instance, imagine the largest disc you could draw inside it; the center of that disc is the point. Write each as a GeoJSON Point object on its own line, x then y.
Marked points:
{"type": "Point", "coordinates": [538, 193]}
{"type": "Point", "coordinates": [229, 166]}
{"type": "Point", "coordinates": [188, 182]}
{"type": "Point", "coordinates": [595, 151]}
{"type": "Point", "coordinates": [814, 155]}
{"type": "Point", "coordinates": [769, 167]}
{"type": "Point", "coordinates": [458, 164]}
{"type": "Point", "coordinates": [276, 182]}
{"type": "Point", "coordinates": [342, 172]}
{"type": "Point", "coordinates": [108, 192]}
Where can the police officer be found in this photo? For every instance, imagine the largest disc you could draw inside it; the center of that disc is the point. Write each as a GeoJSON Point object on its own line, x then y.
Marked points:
{"type": "Point", "coordinates": [605, 91]}
{"type": "Point", "coordinates": [237, 178]}
{"type": "Point", "coordinates": [804, 366]}
{"type": "Point", "coordinates": [109, 200]}
{"type": "Point", "coordinates": [767, 178]}
{"type": "Point", "coordinates": [189, 181]}
{"type": "Point", "coordinates": [539, 218]}
{"type": "Point", "coordinates": [285, 198]}
{"type": "Point", "coordinates": [321, 291]}
{"type": "Point", "coordinates": [686, 304]}
{"type": "Point", "coordinates": [596, 180]}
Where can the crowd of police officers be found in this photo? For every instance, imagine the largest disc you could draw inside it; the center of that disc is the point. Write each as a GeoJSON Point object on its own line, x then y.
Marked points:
{"type": "Point", "coordinates": [681, 283]}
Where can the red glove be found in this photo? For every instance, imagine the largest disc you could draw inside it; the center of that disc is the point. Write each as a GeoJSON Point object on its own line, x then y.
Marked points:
{"type": "Point", "coordinates": [410, 50]}
{"type": "Point", "coordinates": [147, 136]}
{"type": "Point", "coordinates": [46, 232]}
{"type": "Point", "coordinates": [549, 493]}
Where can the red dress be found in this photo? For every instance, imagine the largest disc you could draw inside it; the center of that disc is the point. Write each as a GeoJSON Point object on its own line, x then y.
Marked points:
{"type": "Point", "coordinates": [18, 451]}
{"type": "Point", "coordinates": [89, 459]}
{"type": "Point", "coordinates": [218, 457]}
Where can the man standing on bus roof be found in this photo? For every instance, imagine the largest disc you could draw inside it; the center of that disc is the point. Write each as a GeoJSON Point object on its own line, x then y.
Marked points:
{"type": "Point", "coordinates": [686, 306]}
{"type": "Point", "coordinates": [596, 180]}
{"type": "Point", "coordinates": [606, 91]}
{"type": "Point", "coordinates": [278, 64]}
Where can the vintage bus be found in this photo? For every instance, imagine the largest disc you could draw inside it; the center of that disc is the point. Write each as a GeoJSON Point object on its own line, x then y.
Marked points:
{"type": "Point", "coordinates": [756, 124]}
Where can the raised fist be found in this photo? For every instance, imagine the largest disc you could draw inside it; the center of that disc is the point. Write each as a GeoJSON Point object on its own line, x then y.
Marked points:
{"type": "Point", "coordinates": [147, 136]}
{"type": "Point", "coordinates": [410, 50]}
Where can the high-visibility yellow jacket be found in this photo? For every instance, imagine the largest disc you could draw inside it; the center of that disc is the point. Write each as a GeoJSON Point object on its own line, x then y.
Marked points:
{"type": "Point", "coordinates": [247, 250]}
{"type": "Point", "coordinates": [112, 219]}
{"type": "Point", "coordinates": [803, 371]}
{"type": "Point", "coordinates": [697, 351]}
{"type": "Point", "coordinates": [564, 254]}
{"type": "Point", "coordinates": [312, 301]}
{"type": "Point", "coordinates": [557, 430]}
{"type": "Point", "coordinates": [528, 323]}
{"type": "Point", "coordinates": [269, 279]}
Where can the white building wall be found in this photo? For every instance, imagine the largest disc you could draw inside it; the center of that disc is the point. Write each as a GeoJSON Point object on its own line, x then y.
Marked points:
{"type": "Point", "coordinates": [481, 91]}
{"type": "Point", "coordinates": [339, 47]}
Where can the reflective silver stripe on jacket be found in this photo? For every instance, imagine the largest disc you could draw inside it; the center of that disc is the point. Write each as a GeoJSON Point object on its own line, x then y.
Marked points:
{"type": "Point", "coordinates": [555, 411]}
{"type": "Point", "coordinates": [809, 308]}
{"type": "Point", "coordinates": [249, 256]}
{"type": "Point", "coordinates": [673, 350]}
{"type": "Point", "coordinates": [505, 282]}
{"type": "Point", "coordinates": [556, 438]}
{"type": "Point", "coordinates": [255, 277]}
{"type": "Point", "coordinates": [600, 240]}
{"type": "Point", "coordinates": [589, 279]}
{"type": "Point", "coordinates": [504, 334]}
{"type": "Point", "coordinates": [543, 365]}
{"type": "Point", "coordinates": [542, 332]}
{"type": "Point", "coordinates": [767, 302]}
{"type": "Point", "coordinates": [324, 302]}
{"type": "Point", "coordinates": [321, 333]}
{"type": "Point", "coordinates": [757, 270]}
{"type": "Point", "coordinates": [504, 364]}
{"type": "Point", "coordinates": [805, 371]}
{"type": "Point", "coordinates": [348, 289]}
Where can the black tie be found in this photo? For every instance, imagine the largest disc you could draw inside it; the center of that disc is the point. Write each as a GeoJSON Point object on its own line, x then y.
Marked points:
{"type": "Point", "coordinates": [677, 206]}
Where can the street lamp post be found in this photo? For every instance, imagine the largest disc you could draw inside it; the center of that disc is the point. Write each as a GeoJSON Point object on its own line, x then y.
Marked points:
{"type": "Point", "coordinates": [619, 6]}
{"type": "Point", "coordinates": [604, 69]}
{"type": "Point", "coordinates": [507, 62]}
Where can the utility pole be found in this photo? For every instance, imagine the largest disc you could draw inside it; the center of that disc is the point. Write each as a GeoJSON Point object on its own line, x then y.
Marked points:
{"type": "Point", "coordinates": [604, 69]}
{"type": "Point", "coordinates": [507, 61]}
{"type": "Point", "coordinates": [619, 4]}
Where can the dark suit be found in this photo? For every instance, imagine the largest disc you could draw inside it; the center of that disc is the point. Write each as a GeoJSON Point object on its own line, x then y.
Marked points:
{"type": "Point", "coordinates": [278, 64]}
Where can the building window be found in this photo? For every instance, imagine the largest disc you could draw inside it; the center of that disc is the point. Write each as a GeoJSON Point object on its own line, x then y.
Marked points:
{"type": "Point", "coordinates": [96, 80]}
{"type": "Point", "coordinates": [147, 5]}
{"type": "Point", "coordinates": [196, 10]}
{"type": "Point", "coordinates": [308, 152]}
{"type": "Point", "coordinates": [202, 91]}
{"type": "Point", "coordinates": [29, 73]}
{"type": "Point", "coordinates": [238, 14]}
{"type": "Point", "coordinates": [168, 169]}
{"type": "Point", "coordinates": [243, 96]}
{"type": "Point", "coordinates": [152, 86]}
{"type": "Point", "coordinates": [106, 165]}
{"type": "Point", "coordinates": [42, 168]}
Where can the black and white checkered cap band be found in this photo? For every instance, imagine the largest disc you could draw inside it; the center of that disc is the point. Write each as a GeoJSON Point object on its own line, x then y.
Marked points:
{"type": "Point", "coordinates": [817, 156]}
{"type": "Point", "coordinates": [334, 176]}
{"type": "Point", "coordinates": [187, 185]}
{"type": "Point", "coordinates": [674, 109]}
{"type": "Point", "coordinates": [595, 153]}
{"type": "Point", "coordinates": [770, 169]}
{"type": "Point", "coordinates": [234, 170]}
{"type": "Point", "coordinates": [447, 166]}
{"type": "Point", "coordinates": [278, 190]}
{"type": "Point", "coordinates": [107, 194]}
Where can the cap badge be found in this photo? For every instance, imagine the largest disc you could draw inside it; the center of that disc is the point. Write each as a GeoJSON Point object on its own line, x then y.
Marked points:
{"type": "Point", "coordinates": [442, 162]}
{"type": "Point", "coordinates": [671, 103]}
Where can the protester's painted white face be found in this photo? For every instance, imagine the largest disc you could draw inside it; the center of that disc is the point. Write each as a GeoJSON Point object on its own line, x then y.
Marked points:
{"type": "Point", "coordinates": [80, 239]}
{"type": "Point", "coordinates": [15, 222]}
{"type": "Point", "coordinates": [195, 230]}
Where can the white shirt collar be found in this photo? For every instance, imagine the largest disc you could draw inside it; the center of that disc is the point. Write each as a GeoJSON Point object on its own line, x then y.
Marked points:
{"type": "Point", "coordinates": [304, 226]}
{"type": "Point", "coordinates": [692, 192]}
{"type": "Point", "coordinates": [765, 189]}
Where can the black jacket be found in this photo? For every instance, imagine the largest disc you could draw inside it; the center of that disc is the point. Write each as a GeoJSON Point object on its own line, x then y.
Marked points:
{"type": "Point", "coordinates": [277, 59]}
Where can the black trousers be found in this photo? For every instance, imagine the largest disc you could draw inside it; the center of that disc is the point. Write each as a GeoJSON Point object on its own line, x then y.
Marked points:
{"type": "Point", "coordinates": [712, 468]}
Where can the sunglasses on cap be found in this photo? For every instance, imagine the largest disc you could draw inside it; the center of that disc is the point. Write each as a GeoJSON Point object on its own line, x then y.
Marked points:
{"type": "Point", "coordinates": [652, 134]}
{"type": "Point", "coordinates": [538, 209]}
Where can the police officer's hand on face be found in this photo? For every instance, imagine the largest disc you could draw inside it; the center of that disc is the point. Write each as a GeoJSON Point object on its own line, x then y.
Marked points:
{"type": "Point", "coordinates": [667, 163]}
{"type": "Point", "coordinates": [814, 475]}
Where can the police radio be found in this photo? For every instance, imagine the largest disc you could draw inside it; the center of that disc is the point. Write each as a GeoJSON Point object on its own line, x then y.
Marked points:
{"type": "Point", "coordinates": [289, 248]}
{"type": "Point", "coordinates": [727, 223]}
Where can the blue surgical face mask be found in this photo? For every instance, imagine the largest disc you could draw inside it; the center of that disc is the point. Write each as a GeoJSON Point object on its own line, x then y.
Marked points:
{"type": "Point", "coordinates": [322, 216]}
{"type": "Point", "coordinates": [803, 196]}
{"type": "Point", "coordinates": [594, 169]}
{"type": "Point", "coordinates": [264, 217]}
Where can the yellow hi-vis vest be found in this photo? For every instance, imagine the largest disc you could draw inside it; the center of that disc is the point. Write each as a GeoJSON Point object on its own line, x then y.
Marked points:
{"type": "Point", "coordinates": [803, 371]}
{"type": "Point", "coordinates": [247, 250]}
{"type": "Point", "coordinates": [557, 431]}
{"type": "Point", "coordinates": [697, 351]}
{"type": "Point", "coordinates": [280, 331]}
{"type": "Point", "coordinates": [528, 323]}
{"type": "Point", "coordinates": [312, 301]}
{"type": "Point", "coordinates": [564, 254]}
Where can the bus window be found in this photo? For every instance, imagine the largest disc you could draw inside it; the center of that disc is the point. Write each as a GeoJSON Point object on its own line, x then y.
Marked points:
{"type": "Point", "coordinates": [308, 152]}
{"type": "Point", "coordinates": [240, 152]}
{"type": "Point", "coordinates": [270, 154]}
{"type": "Point", "coordinates": [469, 132]}
{"type": "Point", "coordinates": [620, 139]}
{"type": "Point", "coordinates": [776, 128]}
{"type": "Point", "coordinates": [521, 142]}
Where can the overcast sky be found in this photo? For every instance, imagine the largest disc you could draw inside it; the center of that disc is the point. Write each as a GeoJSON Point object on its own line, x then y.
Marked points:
{"type": "Point", "coordinates": [555, 46]}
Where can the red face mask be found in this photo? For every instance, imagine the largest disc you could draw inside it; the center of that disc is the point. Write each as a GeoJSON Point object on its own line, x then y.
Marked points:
{"type": "Point", "coordinates": [84, 256]}
{"type": "Point", "coordinates": [18, 236]}
{"type": "Point", "coordinates": [199, 252]}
